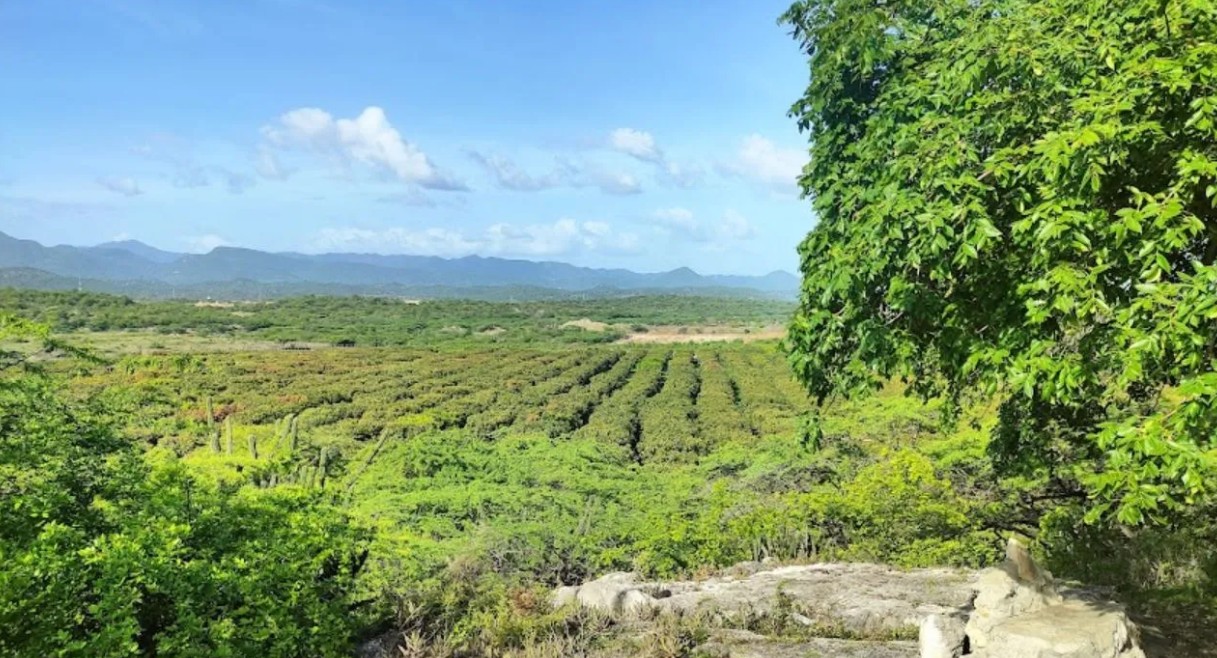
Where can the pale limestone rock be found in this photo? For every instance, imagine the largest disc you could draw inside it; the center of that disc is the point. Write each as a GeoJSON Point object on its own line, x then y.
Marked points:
{"type": "Point", "coordinates": [1020, 613]}
{"type": "Point", "coordinates": [1073, 629]}
{"type": "Point", "coordinates": [999, 596]}
{"type": "Point", "coordinates": [564, 596]}
{"type": "Point", "coordinates": [616, 593]}
{"type": "Point", "coordinates": [941, 636]}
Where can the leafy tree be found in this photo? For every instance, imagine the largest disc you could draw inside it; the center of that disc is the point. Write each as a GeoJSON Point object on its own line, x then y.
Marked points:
{"type": "Point", "coordinates": [103, 553]}
{"type": "Point", "coordinates": [1016, 198]}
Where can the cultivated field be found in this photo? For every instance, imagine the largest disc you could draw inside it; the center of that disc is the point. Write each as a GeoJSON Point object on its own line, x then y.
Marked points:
{"type": "Point", "coordinates": [661, 402]}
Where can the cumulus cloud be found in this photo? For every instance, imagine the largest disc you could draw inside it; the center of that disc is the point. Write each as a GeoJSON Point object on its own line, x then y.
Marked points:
{"type": "Point", "coordinates": [637, 144]}
{"type": "Point", "coordinates": [760, 160]}
{"type": "Point", "coordinates": [642, 146]}
{"type": "Point", "coordinates": [367, 139]}
{"type": "Point", "coordinates": [124, 185]}
{"type": "Point", "coordinates": [563, 237]}
{"type": "Point", "coordinates": [732, 227]}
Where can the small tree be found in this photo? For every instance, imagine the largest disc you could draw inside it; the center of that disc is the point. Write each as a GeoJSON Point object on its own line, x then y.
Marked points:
{"type": "Point", "coordinates": [1015, 198]}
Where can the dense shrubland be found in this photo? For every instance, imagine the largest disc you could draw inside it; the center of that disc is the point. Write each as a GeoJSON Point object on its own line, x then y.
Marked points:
{"type": "Point", "coordinates": [388, 321]}
{"type": "Point", "coordinates": [109, 552]}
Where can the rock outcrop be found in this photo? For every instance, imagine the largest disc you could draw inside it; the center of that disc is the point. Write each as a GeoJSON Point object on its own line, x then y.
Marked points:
{"type": "Point", "coordinates": [1020, 612]}
{"type": "Point", "coordinates": [1016, 610]}
{"type": "Point", "coordinates": [857, 599]}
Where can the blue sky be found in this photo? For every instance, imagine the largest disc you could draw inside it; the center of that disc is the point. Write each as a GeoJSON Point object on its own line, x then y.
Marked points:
{"type": "Point", "coordinates": [648, 135]}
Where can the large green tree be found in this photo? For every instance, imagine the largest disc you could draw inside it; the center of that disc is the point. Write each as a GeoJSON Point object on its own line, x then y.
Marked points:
{"type": "Point", "coordinates": [1016, 199]}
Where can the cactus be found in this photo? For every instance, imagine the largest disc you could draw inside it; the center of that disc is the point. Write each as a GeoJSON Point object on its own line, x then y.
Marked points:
{"type": "Point", "coordinates": [322, 463]}
{"type": "Point", "coordinates": [211, 416]}
{"type": "Point", "coordinates": [215, 442]}
{"type": "Point", "coordinates": [294, 434]}
{"type": "Point", "coordinates": [228, 435]}
{"type": "Point", "coordinates": [253, 445]}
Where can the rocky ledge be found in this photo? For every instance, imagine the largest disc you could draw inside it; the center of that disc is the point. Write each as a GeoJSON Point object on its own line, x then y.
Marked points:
{"type": "Point", "coordinates": [1016, 610]}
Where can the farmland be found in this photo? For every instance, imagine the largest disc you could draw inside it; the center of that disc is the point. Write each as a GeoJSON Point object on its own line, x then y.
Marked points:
{"type": "Point", "coordinates": [468, 469]}
{"type": "Point", "coordinates": [547, 464]}
{"type": "Point", "coordinates": [665, 403]}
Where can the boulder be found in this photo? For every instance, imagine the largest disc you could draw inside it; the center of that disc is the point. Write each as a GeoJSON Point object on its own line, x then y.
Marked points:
{"type": "Point", "coordinates": [1073, 629]}
{"type": "Point", "coordinates": [614, 593]}
{"type": "Point", "coordinates": [1000, 596]}
{"type": "Point", "coordinates": [942, 636]}
{"type": "Point", "coordinates": [1019, 612]}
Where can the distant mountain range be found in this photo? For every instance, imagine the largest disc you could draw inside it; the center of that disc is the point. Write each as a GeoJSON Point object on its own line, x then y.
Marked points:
{"type": "Point", "coordinates": [134, 268]}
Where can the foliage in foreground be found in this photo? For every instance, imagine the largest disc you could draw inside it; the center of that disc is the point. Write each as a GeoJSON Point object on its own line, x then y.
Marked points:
{"type": "Point", "coordinates": [1016, 198]}
{"type": "Point", "coordinates": [105, 553]}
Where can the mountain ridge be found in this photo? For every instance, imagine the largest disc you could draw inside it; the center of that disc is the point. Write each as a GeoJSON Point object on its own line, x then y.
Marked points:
{"type": "Point", "coordinates": [138, 265]}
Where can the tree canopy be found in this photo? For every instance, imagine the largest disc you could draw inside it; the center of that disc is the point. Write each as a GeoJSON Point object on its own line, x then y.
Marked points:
{"type": "Point", "coordinates": [1015, 198]}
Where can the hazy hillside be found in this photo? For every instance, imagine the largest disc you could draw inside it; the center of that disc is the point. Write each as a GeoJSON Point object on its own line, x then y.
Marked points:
{"type": "Point", "coordinates": [133, 267]}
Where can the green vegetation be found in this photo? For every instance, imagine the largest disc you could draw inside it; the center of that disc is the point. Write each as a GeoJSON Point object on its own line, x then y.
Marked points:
{"type": "Point", "coordinates": [1006, 326]}
{"type": "Point", "coordinates": [1016, 203]}
{"type": "Point", "coordinates": [388, 321]}
{"type": "Point", "coordinates": [476, 477]}
{"type": "Point", "coordinates": [106, 553]}
{"type": "Point", "coordinates": [482, 474]}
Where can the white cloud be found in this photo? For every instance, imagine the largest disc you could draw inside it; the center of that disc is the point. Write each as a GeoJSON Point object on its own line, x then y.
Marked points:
{"type": "Point", "coordinates": [563, 237]}
{"type": "Point", "coordinates": [511, 176]}
{"type": "Point", "coordinates": [202, 244]}
{"type": "Point", "coordinates": [124, 185]}
{"type": "Point", "coordinates": [642, 146]}
{"type": "Point", "coordinates": [677, 218]}
{"type": "Point", "coordinates": [636, 144]}
{"type": "Point", "coordinates": [367, 139]}
{"type": "Point", "coordinates": [614, 182]}
{"type": "Point", "coordinates": [760, 160]}
{"type": "Point", "coordinates": [733, 227]}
